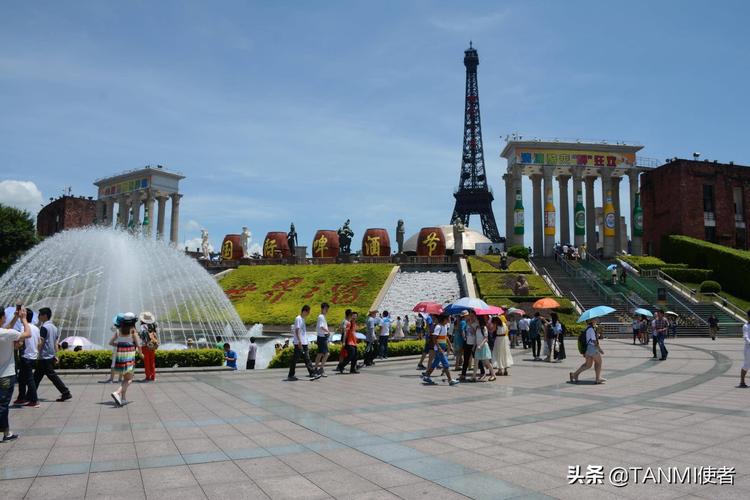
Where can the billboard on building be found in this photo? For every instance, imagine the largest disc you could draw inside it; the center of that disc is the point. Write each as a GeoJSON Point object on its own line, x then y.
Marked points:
{"type": "Point", "coordinates": [574, 158]}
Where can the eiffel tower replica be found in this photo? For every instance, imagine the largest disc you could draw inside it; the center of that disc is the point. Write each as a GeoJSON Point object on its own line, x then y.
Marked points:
{"type": "Point", "coordinates": [473, 195]}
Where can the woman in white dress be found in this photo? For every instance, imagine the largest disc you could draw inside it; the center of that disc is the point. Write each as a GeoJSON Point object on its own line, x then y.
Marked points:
{"type": "Point", "coordinates": [501, 352]}
{"type": "Point", "coordinates": [399, 333]}
{"type": "Point", "coordinates": [746, 364]}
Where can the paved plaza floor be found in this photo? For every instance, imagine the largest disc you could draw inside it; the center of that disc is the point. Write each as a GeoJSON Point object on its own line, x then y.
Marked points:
{"type": "Point", "coordinates": [382, 434]}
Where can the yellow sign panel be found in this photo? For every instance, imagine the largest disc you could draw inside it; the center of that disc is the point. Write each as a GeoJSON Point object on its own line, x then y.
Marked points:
{"type": "Point", "coordinates": [226, 250]}
{"type": "Point", "coordinates": [269, 248]}
{"type": "Point", "coordinates": [575, 158]}
{"type": "Point", "coordinates": [319, 246]}
{"type": "Point", "coordinates": [373, 245]}
{"type": "Point", "coordinates": [431, 242]}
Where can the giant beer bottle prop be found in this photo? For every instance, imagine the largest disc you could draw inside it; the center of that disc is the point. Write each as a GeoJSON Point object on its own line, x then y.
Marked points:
{"type": "Point", "coordinates": [579, 215]}
{"type": "Point", "coordinates": [518, 214]}
{"type": "Point", "coordinates": [637, 216]}
{"type": "Point", "coordinates": [549, 215]}
{"type": "Point", "coordinates": [609, 216]}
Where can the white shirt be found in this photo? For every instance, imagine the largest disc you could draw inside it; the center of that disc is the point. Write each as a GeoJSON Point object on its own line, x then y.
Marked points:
{"type": "Point", "coordinates": [30, 350]}
{"type": "Point", "coordinates": [252, 351]}
{"type": "Point", "coordinates": [385, 327]}
{"type": "Point", "coordinates": [481, 334]}
{"type": "Point", "coordinates": [7, 361]}
{"type": "Point", "coordinates": [322, 326]}
{"type": "Point", "coordinates": [746, 334]}
{"type": "Point", "coordinates": [590, 335]}
{"type": "Point", "coordinates": [523, 324]}
{"type": "Point", "coordinates": [299, 324]}
{"type": "Point", "coordinates": [471, 336]}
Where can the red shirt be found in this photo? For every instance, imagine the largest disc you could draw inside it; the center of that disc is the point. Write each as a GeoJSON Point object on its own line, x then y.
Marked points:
{"type": "Point", "coordinates": [351, 333]}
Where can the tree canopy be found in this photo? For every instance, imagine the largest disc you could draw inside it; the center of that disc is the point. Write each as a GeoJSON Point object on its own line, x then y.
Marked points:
{"type": "Point", "coordinates": [17, 235]}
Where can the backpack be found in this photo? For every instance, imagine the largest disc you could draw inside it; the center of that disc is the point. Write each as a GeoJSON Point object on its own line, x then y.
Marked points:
{"type": "Point", "coordinates": [582, 344]}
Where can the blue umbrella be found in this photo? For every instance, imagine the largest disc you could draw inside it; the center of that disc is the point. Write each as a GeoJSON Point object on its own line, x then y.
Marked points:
{"type": "Point", "coordinates": [611, 266]}
{"type": "Point", "coordinates": [595, 312]}
{"type": "Point", "coordinates": [464, 304]}
{"type": "Point", "coordinates": [644, 312]}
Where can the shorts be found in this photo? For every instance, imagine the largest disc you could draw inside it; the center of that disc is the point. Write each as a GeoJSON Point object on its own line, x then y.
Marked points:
{"type": "Point", "coordinates": [592, 350]}
{"type": "Point", "coordinates": [323, 345]}
{"type": "Point", "coordinates": [441, 360]}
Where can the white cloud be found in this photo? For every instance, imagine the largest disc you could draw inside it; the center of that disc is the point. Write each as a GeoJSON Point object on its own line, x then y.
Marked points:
{"type": "Point", "coordinates": [193, 225]}
{"type": "Point", "coordinates": [21, 194]}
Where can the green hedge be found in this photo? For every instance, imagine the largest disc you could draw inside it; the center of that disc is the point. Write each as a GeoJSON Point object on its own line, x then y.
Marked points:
{"type": "Point", "coordinates": [710, 287]}
{"type": "Point", "coordinates": [731, 267]}
{"type": "Point", "coordinates": [687, 274]}
{"type": "Point", "coordinates": [395, 349]}
{"type": "Point", "coordinates": [646, 263]}
{"type": "Point", "coordinates": [164, 359]}
{"type": "Point", "coordinates": [519, 251]}
{"type": "Point", "coordinates": [479, 265]}
{"type": "Point", "coordinates": [501, 284]}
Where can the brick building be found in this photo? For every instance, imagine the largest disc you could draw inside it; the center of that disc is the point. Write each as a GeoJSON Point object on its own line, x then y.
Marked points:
{"type": "Point", "coordinates": [66, 212]}
{"type": "Point", "coordinates": [702, 199]}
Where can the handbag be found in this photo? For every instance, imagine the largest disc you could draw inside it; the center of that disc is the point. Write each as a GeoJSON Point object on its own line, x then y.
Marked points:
{"type": "Point", "coordinates": [153, 342]}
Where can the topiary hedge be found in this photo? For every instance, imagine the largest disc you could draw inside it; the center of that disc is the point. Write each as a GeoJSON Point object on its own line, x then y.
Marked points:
{"type": "Point", "coordinates": [730, 266]}
{"type": "Point", "coordinates": [480, 265]}
{"type": "Point", "coordinates": [395, 349]}
{"type": "Point", "coordinates": [501, 284]}
{"type": "Point", "coordinates": [710, 287]}
{"type": "Point", "coordinates": [518, 251]}
{"type": "Point", "coordinates": [164, 359]}
{"type": "Point", "coordinates": [688, 275]}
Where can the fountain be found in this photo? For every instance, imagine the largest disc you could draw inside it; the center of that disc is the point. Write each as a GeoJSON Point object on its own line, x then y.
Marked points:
{"type": "Point", "coordinates": [86, 276]}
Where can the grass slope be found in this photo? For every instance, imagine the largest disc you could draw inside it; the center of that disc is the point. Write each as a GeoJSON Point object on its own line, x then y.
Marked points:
{"type": "Point", "coordinates": [273, 295]}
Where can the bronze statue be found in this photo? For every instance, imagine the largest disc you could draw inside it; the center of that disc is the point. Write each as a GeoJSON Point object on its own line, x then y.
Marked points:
{"type": "Point", "coordinates": [521, 286]}
{"type": "Point", "coordinates": [291, 239]}
{"type": "Point", "coordinates": [345, 238]}
{"type": "Point", "coordinates": [400, 235]}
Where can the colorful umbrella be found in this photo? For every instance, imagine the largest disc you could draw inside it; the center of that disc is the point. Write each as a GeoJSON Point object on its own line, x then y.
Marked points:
{"type": "Point", "coordinates": [546, 303]}
{"type": "Point", "coordinates": [491, 310]}
{"type": "Point", "coordinates": [672, 313]}
{"type": "Point", "coordinates": [515, 310]}
{"type": "Point", "coordinates": [644, 312]}
{"type": "Point", "coordinates": [428, 308]}
{"type": "Point", "coordinates": [77, 341]}
{"type": "Point", "coordinates": [465, 304]}
{"type": "Point", "coordinates": [595, 312]}
{"type": "Point", "coordinates": [611, 266]}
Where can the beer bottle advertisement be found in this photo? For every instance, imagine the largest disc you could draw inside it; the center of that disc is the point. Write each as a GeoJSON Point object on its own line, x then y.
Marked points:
{"type": "Point", "coordinates": [518, 214]}
{"type": "Point", "coordinates": [580, 215]}
{"type": "Point", "coordinates": [609, 216]}
{"type": "Point", "coordinates": [549, 215]}
{"type": "Point", "coordinates": [637, 216]}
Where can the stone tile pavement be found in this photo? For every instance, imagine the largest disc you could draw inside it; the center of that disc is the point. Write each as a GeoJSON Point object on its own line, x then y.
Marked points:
{"type": "Point", "coordinates": [382, 434]}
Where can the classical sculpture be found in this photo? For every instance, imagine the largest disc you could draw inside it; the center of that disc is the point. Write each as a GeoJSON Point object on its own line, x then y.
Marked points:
{"type": "Point", "coordinates": [245, 242]}
{"type": "Point", "coordinates": [400, 235]}
{"type": "Point", "coordinates": [204, 245]}
{"type": "Point", "coordinates": [521, 286]}
{"type": "Point", "coordinates": [291, 239]}
{"type": "Point", "coordinates": [345, 238]}
{"type": "Point", "coordinates": [458, 237]}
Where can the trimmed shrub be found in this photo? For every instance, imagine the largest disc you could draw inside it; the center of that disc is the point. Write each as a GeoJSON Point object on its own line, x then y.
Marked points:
{"type": "Point", "coordinates": [479, 265]}
{"type": "Point", "coordinates": [730, 266]}
{"type": "Point", "coordinates": [519, 251]}
{"type": "Point", "coordinates": [274, 294]}
{"type": "Point", "coordinates": [501, 284]}
{"type": "Point", "coordinates": [395, 349]}
{"type": "Point", "coordinates": [687, 275]}
{"type": "Point", "coordinates": [164, 359]}
{"type": "Point", "coordinates": [710, 287]}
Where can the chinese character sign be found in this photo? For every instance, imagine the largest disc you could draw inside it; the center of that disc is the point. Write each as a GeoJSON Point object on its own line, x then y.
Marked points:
{"type": "Point", "coordinates": [431, 242]}
{"type": "Point", "coordinates": [576, 158]}
{"type": "Point", "coordinates": [325, 244]}
{"type": "Point", "coordinates": [376, 243]}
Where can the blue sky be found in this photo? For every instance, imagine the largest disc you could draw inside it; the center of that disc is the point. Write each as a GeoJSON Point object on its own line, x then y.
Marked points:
{"type": "Point", "coordinates": [313, 112]}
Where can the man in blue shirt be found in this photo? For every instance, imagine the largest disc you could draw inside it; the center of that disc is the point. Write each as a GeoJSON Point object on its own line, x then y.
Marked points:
{"type": "Point", "coordinates": [230, 357]}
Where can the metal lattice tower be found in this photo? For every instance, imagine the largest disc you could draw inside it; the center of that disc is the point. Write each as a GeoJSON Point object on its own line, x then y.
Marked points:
{"type": "Point", "coordinates": [473, 195]}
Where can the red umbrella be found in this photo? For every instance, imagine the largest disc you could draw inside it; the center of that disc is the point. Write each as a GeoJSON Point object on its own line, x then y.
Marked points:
{"type": "Point", "coordinates": [428, 308]}
{"type": "Point", "coordinates": [491, 310]}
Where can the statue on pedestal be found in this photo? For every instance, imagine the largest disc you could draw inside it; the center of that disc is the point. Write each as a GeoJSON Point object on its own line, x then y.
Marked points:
{"type": "Point", "coordinates": [458, 237]}
{"type": "Point", "coordinates": [245, 242]}
{"type": "Point", "coordinates": [521, 286]}
{"type": "Point", "coordinates": [204, 245]}
{"type": "Point", "coordinates": [400, 235]}
{"type": "Point", "coordinates": [345, 238]}
{"type": "Point", "coordinates": [291, 239]}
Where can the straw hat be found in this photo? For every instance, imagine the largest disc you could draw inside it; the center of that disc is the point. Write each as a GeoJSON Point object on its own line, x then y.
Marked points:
{"type": "Point", "coordinates": [147, 318]}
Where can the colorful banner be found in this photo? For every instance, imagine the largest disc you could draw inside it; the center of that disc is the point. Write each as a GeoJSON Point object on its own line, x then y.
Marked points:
{"type": "Point", "coordinates": [124, 187]}
{"type": "Point", "coordinates": [575, 158]}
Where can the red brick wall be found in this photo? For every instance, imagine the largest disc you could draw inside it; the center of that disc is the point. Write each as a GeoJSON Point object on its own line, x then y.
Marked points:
{"type": "Point", "coordinates": [66, 212]}
{"type": "Point", "coordinates": [672, 199]}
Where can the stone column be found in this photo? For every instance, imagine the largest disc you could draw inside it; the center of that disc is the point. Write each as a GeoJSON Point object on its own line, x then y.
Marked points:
{"type": "Point", "coordinates": [136, 201]}
{"type": "Point", "coordinates": [578, 239]}
{"type": "Point", "coordinates": [174, 226]}
{"type": "Point", "coordinates": [149, 229]}
{"type": "Point", "coordinates": [509, 197]}
{"type": "Point", "coordinates": [608, 242]}
{"type": "Point", "coordinates": [517, 178]}
{"type": "Point", "coordinates": [162, 201]}
{"type": "Point", "coordinates": [564, 209]}
{"type": "Point", "coordinates": [536, 183]}
{"type": "Point", "coordinates": [123, 206]}
{"type": "Point", "coordinates": [549, 239]}
{"type": "Point", "coordinates": [636, 242]}
{"type": "Point", "coordinates": [618, 213]}
{"type": "Point", "coordinates": [110, 208]}
{"type": "Point", "coordinates": [591, 244]}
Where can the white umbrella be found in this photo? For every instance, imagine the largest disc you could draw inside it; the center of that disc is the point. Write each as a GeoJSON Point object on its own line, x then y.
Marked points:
{"type": "Point", "coordinates": [78, 341]}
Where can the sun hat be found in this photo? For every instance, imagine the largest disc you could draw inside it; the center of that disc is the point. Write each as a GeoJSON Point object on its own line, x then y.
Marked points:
{"type": "Point", "coordinates": [147, 318]}
{"type": "Point", "coordinates": [464, 313]}
{"type": "Point", "coordinates": [127, 318]}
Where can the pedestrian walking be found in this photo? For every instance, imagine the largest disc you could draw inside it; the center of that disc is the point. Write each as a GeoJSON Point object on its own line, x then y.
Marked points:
{"type": "Point", "coordinates": [593, 354]}
{"type": "Point", "coordinates": [252, 353]}
{"type": "Point", "coordinates": [636, 325]}
{"type": "Point", "coordinates": [350, 343]}
{"type": "Point", "coordinates": [439, 343]}
{"type": "Point", "coordinates": [501, 351]}
{"type": "Point", "coordinates": [482, 353]}
{"type": "Point", "coordinates": [126, 343]}
{"type": "Point", "coordinates": [557, 331]}
{"type": "Point", "coordinates": [429, 326]}
{"type": "Point", "coordinates": [550, 336]}
{"type": "Point", "coordinates": [26, 386]}
{"type": "Point", "coordinates": [48, 355]}
{"type": "Point", "coordinates": [149, 344]}
{"type": "Point", "coordinates": [398, 333]}
{"type": "Point", "coordinates": [8, 338]}
{"type": "Point", "coordinates": [513, 330]}
{"type": "Point", "coordinates": [746, 363]}
{"type": "Point", "coordinates": [713, 326]}
{"type": "Point", "coordinates": [323, 337]}
{"type": "Point", "coordinates": [523, 327]}
{"type": "Point", "coordinates": [470, 342]}
{"type": "Point", "coordinates": [661, 328]}
{"type": "Point", "coordinates": [371, 325]}
{"type": "Point", "coordinates": [536, 328]}
{"type": "Point", "coordinates": [645, 325]}
{"type": "Point", "coordinates": [459, 339]}
{"type": "Point", "coordinates": [299, 340]}
{"type": "Point", "coordinates": [419, 325]}
{"type": "Point", "coordinates": [406, 325]}
{"type": "Point", "coordinates": [385, 331]}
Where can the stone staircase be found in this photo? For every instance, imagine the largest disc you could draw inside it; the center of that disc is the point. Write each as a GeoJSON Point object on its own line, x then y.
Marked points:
{"type": "Point", "coordinates": [413, 284]}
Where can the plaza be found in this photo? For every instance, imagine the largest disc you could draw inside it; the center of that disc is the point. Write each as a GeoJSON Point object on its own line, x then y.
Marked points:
{"type": "Point", "coordinates": [382, 434]}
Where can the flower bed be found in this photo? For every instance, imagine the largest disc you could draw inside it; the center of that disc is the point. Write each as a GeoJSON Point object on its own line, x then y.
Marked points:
{"type": "Point", "coordinates": [274, 295]}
